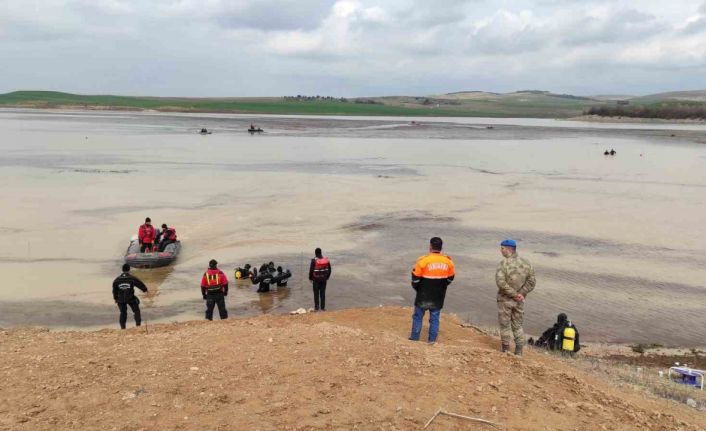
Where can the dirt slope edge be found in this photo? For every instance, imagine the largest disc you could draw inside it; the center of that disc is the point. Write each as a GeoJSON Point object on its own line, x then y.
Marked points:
{"type": "Point", "coordinates": [349, 369]}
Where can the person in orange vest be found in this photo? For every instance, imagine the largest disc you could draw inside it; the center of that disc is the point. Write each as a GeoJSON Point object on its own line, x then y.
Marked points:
{"type": "Point", "coordinates": [319, 273]}
{"type": "Point", "coordinates": [214, 289]}
{"type": "Point", "coordinates": [146, 235]}
{"type": "Point", "coordinates": [431, 275]}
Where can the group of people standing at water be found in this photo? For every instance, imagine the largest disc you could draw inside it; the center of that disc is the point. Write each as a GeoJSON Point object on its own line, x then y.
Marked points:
{"type": "Point", "coordinates": [431, 276]}
{"type": "Point", "coordinates": [214, 287]}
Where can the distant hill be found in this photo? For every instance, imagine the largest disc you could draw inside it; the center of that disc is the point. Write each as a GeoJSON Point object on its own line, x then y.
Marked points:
{"type": "Point", "coordinates": [479, 95]}
{"type": "Point", "coordinates": [612, 97]}
{"type": "Point", "coordinates": [469, 95]}
{"type": "Point", "coordinates": [689, 96]}
{"type": "Point", "coordinates": [521, 104]}
{"type": "Point", "coordinates": [525, 103]}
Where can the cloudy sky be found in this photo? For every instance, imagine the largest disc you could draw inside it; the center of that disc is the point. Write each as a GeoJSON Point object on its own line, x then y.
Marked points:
{"type": "Point", "coordinates": [351, 47]}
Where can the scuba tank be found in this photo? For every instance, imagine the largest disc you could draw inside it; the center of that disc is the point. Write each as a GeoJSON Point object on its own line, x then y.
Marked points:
{"type": "Point", "coordinates": [242, 273]}
{"type": "Point", "coordinates": [568, 337]}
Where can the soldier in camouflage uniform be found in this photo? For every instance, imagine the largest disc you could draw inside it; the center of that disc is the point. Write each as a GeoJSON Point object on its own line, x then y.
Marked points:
{"type": "Point", "coordinates": [515, 279]}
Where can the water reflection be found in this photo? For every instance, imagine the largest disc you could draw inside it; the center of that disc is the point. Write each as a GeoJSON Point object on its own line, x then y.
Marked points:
{"type": "Point", "coordinates": [272, 300]}
{"type": "Point", "coordinates": [154, 278]}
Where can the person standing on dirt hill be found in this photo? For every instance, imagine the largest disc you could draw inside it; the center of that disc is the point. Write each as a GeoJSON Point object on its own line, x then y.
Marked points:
{"type": "Point", "coordinates": [431, 275]}
{"type": "Point", "coordinates": [515, 279]}
{"type": "Point", "coordinates": [146, 235]}
{"type": "Point", "coordinates": [319, 273]}
{"type": "Point", "coordinates": [124, 294]}
{"type": "Point", "coordinates": [214, 289]}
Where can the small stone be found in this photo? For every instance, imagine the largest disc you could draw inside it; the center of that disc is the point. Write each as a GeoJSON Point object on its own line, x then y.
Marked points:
{"type": "Point", "coordinates": [691, 403]}
{"type": "Point", "coordinates": [194, 368]}
{"type": "Point", "coordinates": [269, 340]}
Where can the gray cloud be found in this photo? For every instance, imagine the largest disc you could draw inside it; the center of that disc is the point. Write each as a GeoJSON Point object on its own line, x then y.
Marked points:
{"type": "Point", "coordinates": [274, 14]}
{"type": "Point", "coordinates": [696, 26]}
{"type": "Point", "coordinates": [350, 47]}
{"type": "Point", "coordinates": [624, 25]}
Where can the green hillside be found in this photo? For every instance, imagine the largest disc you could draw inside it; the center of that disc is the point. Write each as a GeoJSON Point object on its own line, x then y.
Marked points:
{"type": "Point", "coordinates": [521, 104]}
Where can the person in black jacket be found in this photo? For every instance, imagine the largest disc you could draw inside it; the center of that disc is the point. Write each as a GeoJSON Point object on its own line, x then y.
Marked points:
{"type": "Point", "coordinates": [263, 279]}
{"type": "Point", "coordinates": [124, 294]}
{"type": "Point", "coordinates": [319, 273]}
{"type": "Point", "coordinates": [281, 277]}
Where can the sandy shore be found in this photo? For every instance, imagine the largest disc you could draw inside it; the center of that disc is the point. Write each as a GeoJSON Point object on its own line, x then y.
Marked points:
{"type": "Point", "coordinates": [351, 369]}
{"type": "Point", "coordinates": [600, 119]}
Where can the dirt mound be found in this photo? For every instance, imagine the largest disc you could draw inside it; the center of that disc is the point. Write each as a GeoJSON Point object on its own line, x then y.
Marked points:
{"type": "Point", "coordinates": [351, 369]}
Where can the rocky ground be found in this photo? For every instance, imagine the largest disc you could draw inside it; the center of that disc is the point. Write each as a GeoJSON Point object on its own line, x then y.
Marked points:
{"type": "Point", "coordinates": [350, 369]}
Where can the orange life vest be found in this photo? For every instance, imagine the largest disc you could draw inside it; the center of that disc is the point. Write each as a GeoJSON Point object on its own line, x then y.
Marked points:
{"type": "Point", "coordinates": [321, 269]}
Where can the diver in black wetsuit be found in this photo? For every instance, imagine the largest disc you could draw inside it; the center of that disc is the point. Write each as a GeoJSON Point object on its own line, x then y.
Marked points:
{"type": "Point", "coordinates": [263, 278]}
{"type": "Point", "coordinates": [553, 338]}
{"type": "Point", "coordinates": [281, 277]}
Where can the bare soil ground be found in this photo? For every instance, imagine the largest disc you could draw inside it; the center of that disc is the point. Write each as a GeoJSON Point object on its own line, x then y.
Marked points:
{"type": "Point", "coordinates": [350, 369]}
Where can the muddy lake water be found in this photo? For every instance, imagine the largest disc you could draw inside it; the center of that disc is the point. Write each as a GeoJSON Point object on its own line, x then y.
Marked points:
{"type": "Point", "coordinates": [618, 243]}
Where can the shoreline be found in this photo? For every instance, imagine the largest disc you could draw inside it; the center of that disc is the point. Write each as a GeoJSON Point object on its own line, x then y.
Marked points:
{"type": "Point", "coordinates": [598, 349]}
{"type": "Point", "coordinates": [421, 113]}
{"type": "Point", "coordinates": [632, 120]}
{"type": "Point", "coordinates": [412, 112]}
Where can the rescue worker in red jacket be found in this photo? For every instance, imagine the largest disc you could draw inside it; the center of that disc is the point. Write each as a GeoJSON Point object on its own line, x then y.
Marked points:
{"type": "Point", "coordinates": [214, 289]}
{"type": "Point", "coordinates": [146, 235]}
{"type": "Point", "coordinates": [168, 236]}
{"type": "Point", "coordinates": [319, 273]}
{"type": "Point", "coordinates": [431, 275]}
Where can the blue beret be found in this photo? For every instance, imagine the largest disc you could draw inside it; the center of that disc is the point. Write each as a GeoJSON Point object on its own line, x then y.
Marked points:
{"type": "Point", "coordinates": [509, 243]}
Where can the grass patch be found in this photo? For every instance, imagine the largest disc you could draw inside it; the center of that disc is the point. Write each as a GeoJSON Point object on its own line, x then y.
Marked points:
{"type": "Point", "coordinates": [646, 379]}
{"type": "Point", "coordinates": [642, 348]}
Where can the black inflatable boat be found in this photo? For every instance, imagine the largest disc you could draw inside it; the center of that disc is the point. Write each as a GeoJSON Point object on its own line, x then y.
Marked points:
{"type": "Point", "coordinates": [134, 258]}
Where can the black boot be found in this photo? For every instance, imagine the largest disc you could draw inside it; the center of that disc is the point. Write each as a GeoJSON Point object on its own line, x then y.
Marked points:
{"type": "Point", "coordinates": [505, 347]}
{"type": "Point", "coordinates": [518, 349]}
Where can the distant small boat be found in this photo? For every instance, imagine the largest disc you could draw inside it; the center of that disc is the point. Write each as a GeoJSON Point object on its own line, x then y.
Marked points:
{"type": "Point", "coordinates": [205, 132]}
{"type": "Point", "coordinates": [255, 130]}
